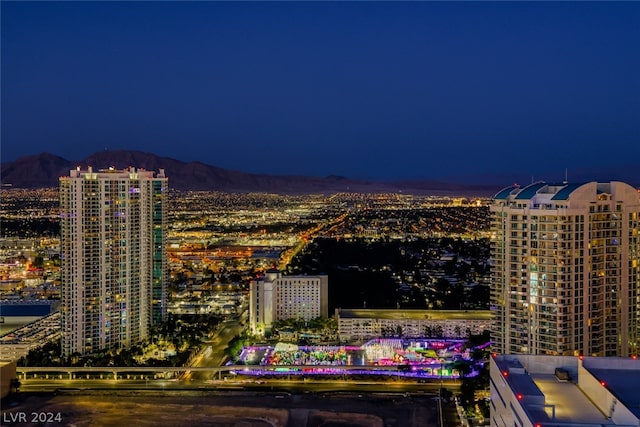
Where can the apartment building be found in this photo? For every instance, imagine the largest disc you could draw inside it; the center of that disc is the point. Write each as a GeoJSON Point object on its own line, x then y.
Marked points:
{"type": "Point", "coordinates": [566, 269]}
{"type": "Point", "coordinates": [113, 257]}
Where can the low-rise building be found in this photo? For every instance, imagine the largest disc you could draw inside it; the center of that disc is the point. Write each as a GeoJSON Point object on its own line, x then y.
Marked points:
{"type": "Point", "coordinates": [364, 324]}
{"type": "Point", "coordinates": [564, 391]}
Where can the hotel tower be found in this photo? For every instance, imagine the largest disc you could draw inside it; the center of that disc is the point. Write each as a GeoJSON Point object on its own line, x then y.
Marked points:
{"type": "Point", "coordinates": [566, 269]}
{"type": "Point", "coordinates": [275, 297]}
{"type": "Point", "coordinates": [114, 261]}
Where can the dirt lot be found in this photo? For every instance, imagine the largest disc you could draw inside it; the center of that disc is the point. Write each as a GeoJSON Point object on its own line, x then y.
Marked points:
{"type": "Point", "coordinates": [231, 409]}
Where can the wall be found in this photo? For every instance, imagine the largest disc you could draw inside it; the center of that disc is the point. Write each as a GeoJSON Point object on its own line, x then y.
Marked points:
{"type": "Point", "coordinates": [7, 373]}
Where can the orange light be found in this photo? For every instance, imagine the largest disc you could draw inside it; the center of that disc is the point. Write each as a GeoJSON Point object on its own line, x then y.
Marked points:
{"type": "Point", "coordinates": [634, 357]}
{"type": "Point", "coordinates": [581, 357]}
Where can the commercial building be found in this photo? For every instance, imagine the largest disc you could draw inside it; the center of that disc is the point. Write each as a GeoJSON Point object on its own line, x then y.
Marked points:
{"type": "Point", "coordinates": [364, 324]}
{"type": "Point", "coordinates": [277, 297]}
{"type": "Point", "coordinates": [566, 269]}
{"type": "Point", "coordinates": [564, 391]}
{"type": "Point", "coordinates": [113, 257]}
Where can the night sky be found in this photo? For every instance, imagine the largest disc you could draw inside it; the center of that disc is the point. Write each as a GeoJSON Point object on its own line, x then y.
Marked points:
{"type": "Point", "coordinates": [371, 90]}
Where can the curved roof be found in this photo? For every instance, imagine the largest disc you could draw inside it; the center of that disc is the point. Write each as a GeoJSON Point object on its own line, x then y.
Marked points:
{"type": "Point", "coordinates": [504, 193]}
{"type": "Point", "coordinates": [565, 192]}
{"type": "Point", "coordinates": [529, 191]}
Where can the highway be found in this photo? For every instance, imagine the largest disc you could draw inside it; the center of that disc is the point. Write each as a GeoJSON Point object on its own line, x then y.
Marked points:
{"type": "Point", "coordinates": [296, 386]}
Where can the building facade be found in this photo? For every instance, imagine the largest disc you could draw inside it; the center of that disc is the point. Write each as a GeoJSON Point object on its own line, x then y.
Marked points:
{"type": "Point", "coordinates": [364, 324]}
{"type": "Point", "coordinates": [276, 297]}
{"type": "Point", "coordinates": [113, 257]}
{"type": "Point", "coordinates": [566, 269]}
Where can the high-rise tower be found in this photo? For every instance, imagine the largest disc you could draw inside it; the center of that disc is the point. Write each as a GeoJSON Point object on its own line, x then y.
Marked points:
{"type": "Point", "coordinates": [566, 269]}
{"type": "Point", "coordinates": [113, 257]}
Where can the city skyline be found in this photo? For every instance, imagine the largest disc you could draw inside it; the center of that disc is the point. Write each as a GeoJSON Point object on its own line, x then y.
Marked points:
{"type": "Point", "coordinates": [413, 296]}
{"type": "Point", "coordinates": [438, 254]}
{"type": "Point", "coordinates": [363, 90]}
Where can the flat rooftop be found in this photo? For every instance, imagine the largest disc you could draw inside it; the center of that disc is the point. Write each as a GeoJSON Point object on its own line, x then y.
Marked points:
{"type": "Point", "coordinates": [394, 314]}
{"type": "Point", "coordinates": [572, 406]}
{"type": "Point", "coordinates": [533, 376]}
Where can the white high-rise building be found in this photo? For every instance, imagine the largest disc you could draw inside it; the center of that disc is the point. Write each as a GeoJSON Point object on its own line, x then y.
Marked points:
{"type": "Point", "coordinates": [276, 297]}
{"type": "Point", "coordinates": [566, 269]}
{"type": "Point", "coordinates": [113, 257]}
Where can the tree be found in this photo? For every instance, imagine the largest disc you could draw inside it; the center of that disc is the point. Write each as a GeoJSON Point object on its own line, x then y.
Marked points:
{"type": "Point", "coordinates": [462, 367]}
{"type": "Point", "coordinates": [428, 331]}
{"type": "Point", "coordinates": [38, 261]}
{"type": "Point", "coordinates": [479, 354]}
{"type": "Point", "coordinates": [235, 346]}
{"type": "Point", "coordinates": [467, 392]}
{"type": "Point", "coordinates": [56, 260]}
{"type": "Point", "coordinates": [478, 339]}
{"type": "Point", "coordinates": [457, 331]}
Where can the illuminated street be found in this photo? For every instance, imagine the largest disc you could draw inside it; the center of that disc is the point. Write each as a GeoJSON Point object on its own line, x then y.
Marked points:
{"type": "Point", "coordinates": [213, 352]}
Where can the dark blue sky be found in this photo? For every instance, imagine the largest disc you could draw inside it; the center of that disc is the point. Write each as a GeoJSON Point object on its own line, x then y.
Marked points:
{"type": "Point", "coordinates": [374, 90]}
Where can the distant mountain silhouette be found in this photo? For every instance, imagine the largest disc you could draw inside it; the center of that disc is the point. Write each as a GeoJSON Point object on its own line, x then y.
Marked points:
{"type": "Point", "coordinates": [43, 170]}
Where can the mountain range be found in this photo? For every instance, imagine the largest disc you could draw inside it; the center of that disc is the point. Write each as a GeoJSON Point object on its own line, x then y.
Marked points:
{"type": "Point", "coordinates": [43, 170]}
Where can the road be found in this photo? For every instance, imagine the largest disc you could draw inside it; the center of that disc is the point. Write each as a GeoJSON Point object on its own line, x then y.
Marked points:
{"type": "Point", "coordinates": [213, 353]}
{"type": "Point", "coordinates": [306, 237]}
